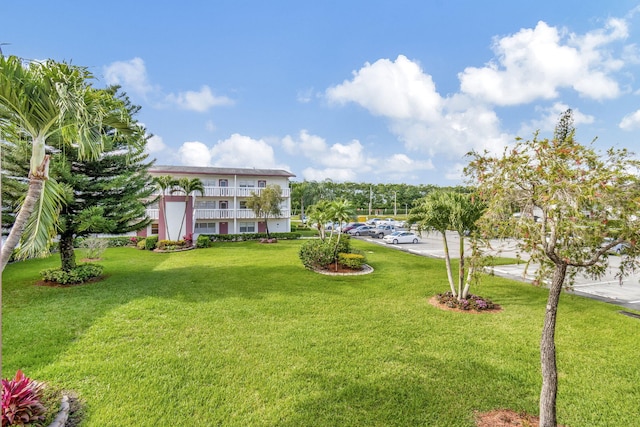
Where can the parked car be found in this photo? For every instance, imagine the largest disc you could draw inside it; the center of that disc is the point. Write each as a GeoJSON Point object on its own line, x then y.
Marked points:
{"type": "Point", "coordinates": [363, 230]}
{"type": "Point", "coordinates": [382, 230]}
{"type": "Point", "coordinates": [352, 225]}
{"type": "Point", "coordinates": [401, 237]}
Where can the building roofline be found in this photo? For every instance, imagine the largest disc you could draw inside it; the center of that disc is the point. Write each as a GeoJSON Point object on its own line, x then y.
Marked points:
{"type": "Point", "coordinates": [206, 170]}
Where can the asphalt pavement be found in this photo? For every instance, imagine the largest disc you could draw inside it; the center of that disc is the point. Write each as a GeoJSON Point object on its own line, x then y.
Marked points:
{"type": "Point", "coordinates": [624, 293]}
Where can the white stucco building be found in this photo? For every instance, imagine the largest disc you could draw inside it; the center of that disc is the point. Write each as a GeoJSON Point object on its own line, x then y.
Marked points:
{"type": "Point", "coordinates": [222, 208]}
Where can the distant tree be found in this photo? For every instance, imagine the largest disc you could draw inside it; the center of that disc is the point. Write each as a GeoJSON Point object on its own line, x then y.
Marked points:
{"type": "Point", "coordinates": [188, 186]}
{"type": "Point", "coordinates": [587, 202]}
{"type": "Point", "coordinates": [448, 210]}
{"type": "Point", "coordinates": [266, 203]}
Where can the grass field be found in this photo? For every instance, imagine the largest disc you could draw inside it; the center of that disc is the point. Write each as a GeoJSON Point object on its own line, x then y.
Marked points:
{"type": "Point", "coordinates": [241, 334]}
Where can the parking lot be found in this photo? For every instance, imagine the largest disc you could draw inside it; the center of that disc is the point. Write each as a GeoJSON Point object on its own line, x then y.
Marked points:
{"type": "Point", "coordinates": [625, 293]}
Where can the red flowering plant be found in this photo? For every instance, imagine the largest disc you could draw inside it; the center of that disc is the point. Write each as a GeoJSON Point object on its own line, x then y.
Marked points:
{"type": "Point", "coordinates": [21, 401]}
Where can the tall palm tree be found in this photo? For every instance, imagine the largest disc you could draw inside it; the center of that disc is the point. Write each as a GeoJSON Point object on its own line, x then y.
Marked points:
{"type": "Point", "coordinates": [40, 101]}
{"type": "Point", "coordinates": [189, 186]}
{"type": "Point", "coordinates": [165, 184]}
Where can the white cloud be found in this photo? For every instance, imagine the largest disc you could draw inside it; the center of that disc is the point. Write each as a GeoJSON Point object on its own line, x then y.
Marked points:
{"type": "Point", "coordinates": [305, 96]}
{"type": "Point", "coordinates": [194, 153]}
{"type": "Point", "coordinates": [398, 90]}
{"type": "Point", "coordinates": [307, 145]}
{"type": "Point", "coordinates": [535, 63]}
{"type": "Point", "coordinates": [130, 74]}
{"type": "Point", "coordinates": [155, 144]}
{"type": "Point", "coordinates": [401, 163]}
{"type": "Point", "coordinates": [243, 151]}
{"type": "Point", "coordinates": [200, 101]}
{"type": "Point", "coordinates": [630, 121]}
{"type": "Point", "coordinates": [455, 134]}
{"type": "Point", "coordinates": [339, 175]}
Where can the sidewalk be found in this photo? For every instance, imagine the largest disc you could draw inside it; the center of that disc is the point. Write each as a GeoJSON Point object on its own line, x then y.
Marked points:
{"type": "Point", "coordinates": [625, 293]}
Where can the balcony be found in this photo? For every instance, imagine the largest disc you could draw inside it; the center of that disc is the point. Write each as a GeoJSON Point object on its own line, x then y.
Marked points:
{"type": "Point", "coordinates": [210, 191]}
{"type": "Point", "coordinates": [220, 213]}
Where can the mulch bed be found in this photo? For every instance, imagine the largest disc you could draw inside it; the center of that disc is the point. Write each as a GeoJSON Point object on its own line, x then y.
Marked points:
{"type": "Point", "coordinates": [434, 302]}
{"type": "Point", "coordinates": [58, 285]}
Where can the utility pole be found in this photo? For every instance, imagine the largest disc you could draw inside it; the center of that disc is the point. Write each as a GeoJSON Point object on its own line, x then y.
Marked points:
{"type": "Point", "coordinates": [395, 204]}
{"type": "Point", "coordinates": [370, 198]}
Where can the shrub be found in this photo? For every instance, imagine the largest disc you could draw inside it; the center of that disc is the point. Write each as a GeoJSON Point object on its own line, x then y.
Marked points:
{"type": "Point", "coordinates": [354, 261]}
{"type": "Point", "coordinates": [21, 401]}
{"type": "Point", "coordinates": [472, 302]}
{"type": "Point", "coordinates": [168, 245]}
{"type": "Point", "coordinates": [94, 247]}
{"type": "Point", "coordinates": [317, 253]}
{"type": "Point", "coordinates": [80, 274]}
{"type": "Point", "coordinates": [203, 241]}
{"type": "Point", "coordinates": [142, 244]}
{"type": "Point", "coordinates": [150, 242]}
{"type": "Point", "coordinates": [188, 239]}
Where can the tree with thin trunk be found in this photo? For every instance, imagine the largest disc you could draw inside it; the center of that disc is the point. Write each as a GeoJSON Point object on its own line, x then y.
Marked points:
{"type": "Point", "coordinates": [266, 203]}
{"type": "Point", "coordinates": [574, 205]}
{"type": "Point", "coordinates": [188, 186]}
{"type": "Point", "coordinates": [40, 101]}
{"type": "Point", "coordinates": [165, 184]}
{"type": "Point", "coordinates": [319, 214]}
{"type": "Point", "coordinates": [339, 212]}
{"type": "Point", "coordinates": [444, 211]}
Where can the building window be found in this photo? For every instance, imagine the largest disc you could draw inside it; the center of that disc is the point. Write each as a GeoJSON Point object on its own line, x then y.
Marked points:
{"type": "Point", "coordinates": [205, 228]}
{"type": "Point", "coordinates": [205, 204]}
{"type": "Point", "coordinates": [209, 182]}
{"type": "Point", "coordinates": [243, 204]}
{"type": "Point", "coordinates": [262, 183]}
{"type": "Point", "coordinates": [223, 183]}
{"type": "Point", "coordinates": [246, 184]}
{"type": "Point", "coordinates": [224, 204]}
{"type": "Point", "coordinates": [154, 228]}
{"type": "Point", "coordinates": [247, 227]}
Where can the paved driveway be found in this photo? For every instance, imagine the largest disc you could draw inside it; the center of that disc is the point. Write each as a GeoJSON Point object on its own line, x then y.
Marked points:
{"type": "Point", "coordinates": [625, 293]}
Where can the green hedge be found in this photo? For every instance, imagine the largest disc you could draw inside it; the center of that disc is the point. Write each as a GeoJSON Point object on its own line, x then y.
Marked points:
{"type": "Point", "coordinates": [249, 236]}
{"type": "Point", "coordinates": [80, 274]}
{"type": "Point", "coordinates": [113, 242]}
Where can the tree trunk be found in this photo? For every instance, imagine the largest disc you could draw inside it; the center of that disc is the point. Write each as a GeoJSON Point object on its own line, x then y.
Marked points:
{"type": "Point", "coordinates": [447, 261]}
{"type": "Point", "coordinates": [549, 389]}
{"type": "Point", "coordinates": [266, 226]}
{"type": "Point", "coordinates": [33, 195]}
{"type": "Point", "coordinates": [461, 267]}
{"type": "Point", "coordinates": [67, 254]}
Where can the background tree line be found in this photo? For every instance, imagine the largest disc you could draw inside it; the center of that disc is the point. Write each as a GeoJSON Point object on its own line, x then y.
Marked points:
{"type": "Point", "coordinates": [380, 198]}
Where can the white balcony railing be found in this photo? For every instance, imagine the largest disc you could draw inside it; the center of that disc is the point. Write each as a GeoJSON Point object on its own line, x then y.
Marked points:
{"type": "Point", "coordinates": [225, 192]}
{"type": "Point", "coordinates": [220, 213]}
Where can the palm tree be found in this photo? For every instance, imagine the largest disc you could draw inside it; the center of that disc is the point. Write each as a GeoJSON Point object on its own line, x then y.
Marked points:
{"type": "Point", "coordinates": [319, 214]}
{"type": "Point", "coordinates": [340, 211]}
{"type": "Point", "coordinates": [189, 186]}
{"type": "Point", "coordinates": [40, 101]}
{"type": "Point", "coordinates": [448, 210]}
{"type": "Point", "coordinates": [165, 183]}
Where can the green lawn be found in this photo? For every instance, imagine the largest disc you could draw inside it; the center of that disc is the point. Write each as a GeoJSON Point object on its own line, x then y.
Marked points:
{"type": "Point", "coordinates": [241, 334]}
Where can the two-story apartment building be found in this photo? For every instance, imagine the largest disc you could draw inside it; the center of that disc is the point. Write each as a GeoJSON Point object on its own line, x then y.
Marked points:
{"type": "Point", "coordinates": [221, 209]}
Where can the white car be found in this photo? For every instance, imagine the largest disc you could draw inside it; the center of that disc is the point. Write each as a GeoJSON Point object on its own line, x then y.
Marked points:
{"type": "Point", "coordinates": [401, 237]}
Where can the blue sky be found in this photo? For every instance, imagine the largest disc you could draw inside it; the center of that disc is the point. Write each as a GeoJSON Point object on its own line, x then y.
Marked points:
{"type": "Point", "coordinates": [365, 91]}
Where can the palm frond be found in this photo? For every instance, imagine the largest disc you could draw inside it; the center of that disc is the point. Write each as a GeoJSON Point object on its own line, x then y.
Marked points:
{"type": "Point", "coordinates": [41, 226]}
